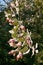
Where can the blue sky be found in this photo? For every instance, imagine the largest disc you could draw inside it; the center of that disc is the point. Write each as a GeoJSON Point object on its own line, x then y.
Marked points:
{"type": "Point", "coordinates": [3, 3]}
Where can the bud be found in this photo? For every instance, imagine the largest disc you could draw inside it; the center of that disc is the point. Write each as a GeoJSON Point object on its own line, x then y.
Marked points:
{"type": "Point", "coordinates": [12, 52]}
{"type": "Point", "coordinates": [13, 15]}
{"type": "Point", "coordinates": [17, 4]}
{"type": "Point", "coordinates": [17, 10]}
{"type": "Point", "coordinates": [10, 20]}
{"type": "Point", "coordinates": [11, 31]}
{"type": "Point", "coordinates": [36, 51]}
{"type": "Point", "coordinates": [36, 45]}
{"type": "Point", "coordinates": [12, 5]}
{"type": "Point", "coordinates": [33, 50]}
{"type": "Point", "coordinates": [7, 19]}
{"type": "Point", "coordinates": [22, 27]}
{"type": "Point", "coordinates": [20, 35]}
{"type": "Point", "coordinates": [11, 42]}
{"type": "Point", "coordinates": [19, 44]}
{"type": "Point", "coordinates": [19, 56]}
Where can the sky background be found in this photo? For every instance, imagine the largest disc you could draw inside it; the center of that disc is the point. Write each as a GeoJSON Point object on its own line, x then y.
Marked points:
{"type": "Point", "coordinates": [3, 3]}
